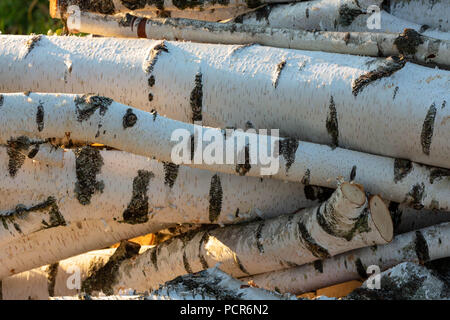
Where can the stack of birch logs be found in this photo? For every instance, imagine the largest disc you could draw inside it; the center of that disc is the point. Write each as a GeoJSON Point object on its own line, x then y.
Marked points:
{"type": "Point", "coordinates": [87, 148]}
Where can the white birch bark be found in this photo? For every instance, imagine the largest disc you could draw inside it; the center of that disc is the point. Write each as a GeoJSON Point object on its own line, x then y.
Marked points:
{"type": "Point", "coordinates": [434, 13]}
{"type": "Point", "coordinates": [330, 15]}
{"type": "Point", "coordinates": [368, 44]}
{"type": "Point", "coordinates": [113, 185]}
{"type": "Point", "coordinates": [52, 245]}
{"type": "Point", "coordinates": [276, 83]}
{"type": "Point", "coordinates": [342, 223]}
{"type": "Point", "coordinates": [151, 135]}
{"type": "Point", "coordinates": [58, 8]}
{"type": "Point", "coordinates": [419, 246]}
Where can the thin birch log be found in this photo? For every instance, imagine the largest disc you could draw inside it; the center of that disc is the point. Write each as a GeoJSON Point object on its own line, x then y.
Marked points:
{"type": "Point", "coordinates": [360, 94]}
{"type": "Point", "coordinates": [152, 136]}
{"type": "Point", "coordinates": [419, 246]}
{"type": "Point", "coordinates": [58, 8]}
{"type": "Point", "coordinates": [368, 44]}
{"type": "Point", "coordinates": [113, 185]}
{"type": "Point", "coordinates": [342, 223]}
{"type": "Point", "coordinates": [52, 245]}
{"type": "Point", "coordinates": [433, 13]}
{"type": "Point", "coordinates": [330, 15]}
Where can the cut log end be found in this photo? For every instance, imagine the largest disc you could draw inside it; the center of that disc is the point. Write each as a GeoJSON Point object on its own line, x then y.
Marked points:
{"type": "Point", "coordinates": [354, 193]}
{"type": "Point", "coordinates": [381, 218]}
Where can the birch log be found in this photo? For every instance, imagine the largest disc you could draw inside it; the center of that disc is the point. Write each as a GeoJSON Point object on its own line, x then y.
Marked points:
{"type": "Point", "coordinates": [52, 245]}
{"type": "Point", "coordinates": [330, 15]}
{"type": "Point", "coordinates": [433, 13]}
{"type": "Point", "coordinates": [113, 185]}
{"type": "Point", "coordinates": [99, 119]}
{"type": "Point", "coordinates": [340, 224]}
{"type": "Point", "coordinates": [58, 8]}
{"type": "Point", "coordinates": [291, 90]}
{"type": "Point", "coordinates": [368, 44]}
{"type": "Point", "coordinates": [419, 246]}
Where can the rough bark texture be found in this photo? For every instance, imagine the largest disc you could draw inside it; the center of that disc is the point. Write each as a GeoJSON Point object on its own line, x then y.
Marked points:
{"type": "Point", "coordinates": [420, 246]}
{"type": "Point", "coordinates": [302, 101]}
{"type": "Point", "coordinates": [337, 225]}
{"type": "Point", "coordinates": [400, 181]}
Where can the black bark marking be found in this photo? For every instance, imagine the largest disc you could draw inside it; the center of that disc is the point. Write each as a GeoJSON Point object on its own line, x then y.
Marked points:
{"type": "Point", "coordinates": [52, 271]}
{"type": "Point", "coordinates": [98, 6]}
{"type": "Point", "coordinates": [361, 269]}
{"type": "Point", "coordinates": [408, 41]}
{"type": "Point", "coordinates": [318, 265]}
{"type": "Point", "coordinates": [105, 277]}
{"type": "Point", "coordinates": [392, 65]}
{"type": "Point", "coordinates": [154, 54]}
{"type": "Point", "coordinates": [170, 173]}
{"type": "Point", "coordinates": [415, 196]}
{"type": "Point", "coordinates": [427, 129]}
{"type": "Point", "coordinates": [277, 74]}
{"type": "Point", "coordinates": [438, 173]}
{"type": "Point", "coordinates": [259, 243]}
{"type": "Point", "coordinates": [306, 178]}
{"type": "Point", "coordinates": [137, 210]}
{"type": "Point", "coordinates": [288, 148]}
{"type": "Point", "coordinates": [347, 15]}
{"type": "Point", "coordinates": [87, 105]}
{"type": "Point", "coordinates": [40, 117]}
{"type": "Point", "coordinates": [402, 167]}
{"type": "Point", "coordinates": [307, 13]}
{"type": "Point", "coordinates": [215, 198]}
{"type": "Point", "coordinates": [2, 99]}
{"type": "Point", "coordinates": [240, 265]}
{"type": "Point", "coordinates": [261, 13]}
{"type": "Point", "coordinates": [421, 248]}
{"type": "Point", "coordinates": [395, 93]}
{"type": "Point", "coordinates": [151, 81]}
{"type": "Point", "coordinates": [317, 193]}
{"type": "Point", "coordinates": [15, 150]}
{"type": "Point", "coordinates": [196, 99]}
{"type": "Point", "coordinates": [332, 124]}
{"type": "Point", "coordinates": [239, 48]}
{"type": "Point", "coordinates": [396, 215]}
{"type": "Point", "coordinates": [88, 165]}
{"type": "Point", "coordinates": [31, 44]}
{"type": "Point", "coordinates": [244, 168]}
{"type": "Point", "coordinates": [353, 173]}
{"type": "Point", "coordinates": [310, 244]}
{"type": "Point", "coordinates": [251, 4]}
{"type": "Point", "coordinates": [442, 107]}
{"type": "Point", "coordinates": [154, 258]}
{"type": "Point", "coordinates": [187, 267]}
{"type": "Point", "coordinates": [49, 206]}
{"type": "Point", "coordinates": [129, 119]}
{"type": "Point", "coordinates": [33, 152]}
{"type": "Point", "coordinates": [202, 259]}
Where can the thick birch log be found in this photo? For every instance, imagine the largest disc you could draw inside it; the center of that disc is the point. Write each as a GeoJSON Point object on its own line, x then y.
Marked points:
{"type": "Point", "coordinates": [419, 246]}
{"type": "Point", "coordinates": [58, 8]}
{"type": "Point", "coordinates": [360, 94]}
{"type": "Point", "coordinates": [330, 15]}
{"type": "Point", "coordinates": [52, 245]}
{"type": "Point", "coordinates": [433, 13]}
{"type": "Point", "coordinates": [368, 44]}
{"type": "Point", "coordinates": [340, 224]}
{"type": "Point", "coordinates": [113, 185]}
{"type": "Point", "coordinates": [152, 136]}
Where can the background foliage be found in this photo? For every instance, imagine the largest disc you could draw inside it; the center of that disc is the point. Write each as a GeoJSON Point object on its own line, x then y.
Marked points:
{"type": "Point", "coordinates": [26, 16]}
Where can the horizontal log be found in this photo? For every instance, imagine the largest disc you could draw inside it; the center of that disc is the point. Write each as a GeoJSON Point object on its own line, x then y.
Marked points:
{"type": "Point", "coordinates": [100, 119]}
{"type": "Point", "coordinates": [364, 92]}
{"type": "Point", "coordinates": [368, 44]}
{"type": "Point", "coordinates": [342, 223]}
{"type": "Point", "coordinates": [113, 185]}
{"type": "Point", "coordinates": [419, 246]}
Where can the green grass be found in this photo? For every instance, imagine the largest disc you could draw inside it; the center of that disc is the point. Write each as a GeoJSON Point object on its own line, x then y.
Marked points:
{"type": "Point", "coordinates": [26, 16]}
